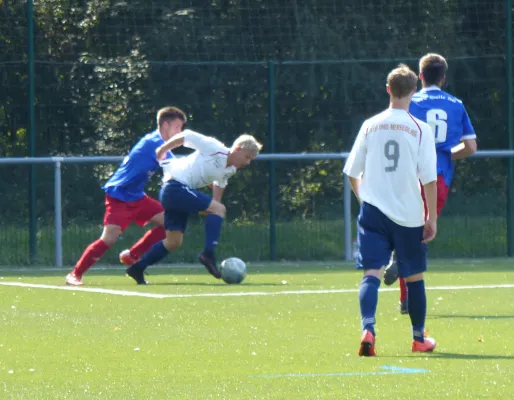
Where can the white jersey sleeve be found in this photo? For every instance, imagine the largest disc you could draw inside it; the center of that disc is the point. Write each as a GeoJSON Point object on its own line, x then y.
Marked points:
{"type": "Point", "coordinates": [222, 183]}
{"type": "Point", "coordinates": [356, 161]}
{"type": "Point", "coordinates": [204, 144]}
{"type": "Point", "coordinates": [166, 168]}
{"type": "Point", "coordinates": [427, 161]}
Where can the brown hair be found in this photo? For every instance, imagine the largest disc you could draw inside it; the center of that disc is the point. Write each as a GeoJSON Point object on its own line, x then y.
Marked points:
{"type": "Point", "coordinates": [433, 67]}
{"type": "Point", "coordinates": [168, 114]}
{"type": "Point", "coordinates": [402, 81]}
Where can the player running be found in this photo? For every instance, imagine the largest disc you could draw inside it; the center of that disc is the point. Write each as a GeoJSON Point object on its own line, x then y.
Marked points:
{"type": "Point", "coordinates": [126, 201]}
{"type": "Point", "coordinates": [211, 164]}
{"type": "Point", "coordinates": [455, 137]}
{"type": "Point", "coordinates": [392, 154]}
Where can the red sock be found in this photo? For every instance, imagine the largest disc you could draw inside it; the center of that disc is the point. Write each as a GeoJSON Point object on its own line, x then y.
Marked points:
{"type": "Point", "coordinates": [403, 290]}
{"type": "Point", "coordinates": [90, 256]}
{"type": "Point", "coordinates": [148, 240]}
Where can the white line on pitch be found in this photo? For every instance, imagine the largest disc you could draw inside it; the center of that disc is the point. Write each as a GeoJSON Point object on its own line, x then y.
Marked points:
{"type": "Point", "coordinates": [86, 289]}
{"type": "Point", "coordinates": [236, 294]}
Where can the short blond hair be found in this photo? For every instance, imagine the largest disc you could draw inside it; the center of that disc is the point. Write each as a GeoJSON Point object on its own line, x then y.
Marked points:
{"type": "Point", "coordinates": [247, 142]}
{"type": "Point", "coordinates": [402, 81]}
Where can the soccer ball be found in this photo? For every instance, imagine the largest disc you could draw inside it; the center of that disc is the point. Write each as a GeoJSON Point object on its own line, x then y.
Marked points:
{"type": "Point", "coordinates": [233, 270]}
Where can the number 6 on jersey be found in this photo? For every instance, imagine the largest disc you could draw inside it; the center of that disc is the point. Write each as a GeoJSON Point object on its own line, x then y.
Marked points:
{"type": "Point", "coordinates": [437, 118]}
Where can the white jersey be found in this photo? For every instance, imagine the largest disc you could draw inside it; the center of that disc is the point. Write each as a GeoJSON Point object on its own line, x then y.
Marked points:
{"type": "Point", "coordinates": [207, 165]}
{"type": "Point", "coordinates": [393, 153]}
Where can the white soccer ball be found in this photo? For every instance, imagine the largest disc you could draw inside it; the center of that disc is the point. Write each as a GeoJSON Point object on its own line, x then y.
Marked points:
{"type": "Point", "coordinates": [233, 270]}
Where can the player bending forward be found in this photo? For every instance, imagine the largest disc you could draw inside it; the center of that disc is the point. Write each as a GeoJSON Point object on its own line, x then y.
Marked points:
{"type": "Point", "coordinates": [455, 137]}
{"type": "Point", "coordinates": [393, 152]}
{"type": "Point", "coordinates": [211, 163]}
{"type": "Point", "coordinates": [125, 198]}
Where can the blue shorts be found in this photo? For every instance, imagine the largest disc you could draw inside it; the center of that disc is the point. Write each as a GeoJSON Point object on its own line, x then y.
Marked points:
{"type": "Point", "coordinates": [378, 236]}
{"type": "Point", "coordinates": [179, 201]}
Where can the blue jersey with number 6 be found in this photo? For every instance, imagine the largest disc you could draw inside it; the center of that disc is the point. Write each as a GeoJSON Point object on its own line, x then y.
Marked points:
{"type": "Point", "coordinates": [449, 121]}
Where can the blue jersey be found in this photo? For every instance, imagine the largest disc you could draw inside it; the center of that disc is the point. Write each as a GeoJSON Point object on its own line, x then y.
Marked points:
{"type": "Point", "coordinates": [129, 181]}
{"type": "Point", "coordinates": [449, 121]}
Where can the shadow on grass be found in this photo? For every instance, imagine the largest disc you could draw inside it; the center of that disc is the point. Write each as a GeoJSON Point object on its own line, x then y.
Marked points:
{"type": "Point", "coordinates": [457, 356]}
{"type": "Point", "coordinates": [454, 356]}
{"type": "Point", "coordinates": [471, 316]}
{"type": "Point", "coordinates": [242, 285]}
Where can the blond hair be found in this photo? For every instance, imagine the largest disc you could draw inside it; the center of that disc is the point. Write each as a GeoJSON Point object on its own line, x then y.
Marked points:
{"type": "Point", "coordinates": [402, 81]}
{"type": "Point", "coordinates": [247, 142]}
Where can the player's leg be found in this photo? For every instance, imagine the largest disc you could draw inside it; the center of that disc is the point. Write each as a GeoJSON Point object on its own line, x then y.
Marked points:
{"type": "Point", "coordinates": [417, 313]}
{"type": "Point", "coordinates": [148, 211]}
{"type": "Point", "coordinates": [178, 201]}
{"type": "Point", "coordinates": [391, 272]}
{"type": "Point", "coordinates": [375, 250]}
{"type": "Point", "coordinates": [176, 223]}
{"type": "Point", "coordinates": [403, 305]}
{"type": "Point", "coordinates": [442, 194]}
{"type": "Point", "coordinates": [93, 253]}
{"type": "Point", "coordinates": [213, 224]}
{"type": "Point", "coordinates": [391, 276]}
{"type": "Point", "coordinates": [412, 261]}
{"type": "Point", "coordinates": [116, 219]}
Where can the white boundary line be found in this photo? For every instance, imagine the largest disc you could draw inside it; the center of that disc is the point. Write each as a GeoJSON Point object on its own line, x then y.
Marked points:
{"type": "Point", "coordinates": [85, 289]}
{"type": "Point", "coordinates": [234, 294]}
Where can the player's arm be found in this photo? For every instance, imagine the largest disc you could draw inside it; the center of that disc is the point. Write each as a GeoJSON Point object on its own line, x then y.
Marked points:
{"type": "Point", "coordinates": [218, 187]}
{"type": "Point", "coordinates": [430, 190]}
{"type": "Point", "coordinates": [355, 183]}
{"type": "Point", "coordinates": [217, 192]}
{"type": "Point", "coordinates": [468, 144]}
{"type": "Point", "coordinates": [464, 149]}
{"type": "Point", "coordinates": [204, 144]}
{"type": "Point", "coordinates": [191, 139]}
{"type": "Point", "coordinates": [173, 143]}
{"type": "Point", "coordinates": [354, 166]}
{"type": "Point", "coordinates": [430, 229]}
{"type": "Point", "coordinates": [427, 168]}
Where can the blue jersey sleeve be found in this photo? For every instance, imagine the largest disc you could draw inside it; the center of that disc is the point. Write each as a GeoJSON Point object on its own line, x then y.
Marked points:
{"type": "Point", "coordinates": [467, 127]}
{"type": "Point", "coordinates": [129, 181]}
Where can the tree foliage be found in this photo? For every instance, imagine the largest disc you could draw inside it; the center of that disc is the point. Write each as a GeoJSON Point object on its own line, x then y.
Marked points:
{"type": "Point", "coordinates": [103, 68]}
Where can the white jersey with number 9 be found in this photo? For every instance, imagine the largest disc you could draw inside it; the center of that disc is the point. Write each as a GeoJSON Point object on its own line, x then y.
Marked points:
{"type": "Point", "coordinates": [393, 152]}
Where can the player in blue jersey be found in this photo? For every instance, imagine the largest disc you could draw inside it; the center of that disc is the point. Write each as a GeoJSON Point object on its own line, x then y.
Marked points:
{"type": "Point", "coordinates": [126, 200]}
{"type": "Point", "coordinates": [455, 137]}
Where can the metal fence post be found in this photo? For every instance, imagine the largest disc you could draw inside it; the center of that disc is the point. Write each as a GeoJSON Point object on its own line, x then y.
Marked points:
{"type": "Point", "coordinates": [347, 193]}
{"type": "Point", "coordinates": [272, 173]}
{"type": "Point", "coordinates": [510, 128]}
{"type": "Point", "coordinates": [58, 210]}
{"type": "Point", "coordinates": [31, 132]}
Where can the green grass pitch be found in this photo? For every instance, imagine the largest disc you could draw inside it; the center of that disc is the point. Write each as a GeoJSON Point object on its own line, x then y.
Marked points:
{"type": "Point", "coordinates": [296, 337]}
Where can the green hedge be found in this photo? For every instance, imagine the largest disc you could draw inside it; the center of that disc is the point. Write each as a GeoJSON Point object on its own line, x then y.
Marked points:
{"type": "Point", "coordinates": [296, 240]}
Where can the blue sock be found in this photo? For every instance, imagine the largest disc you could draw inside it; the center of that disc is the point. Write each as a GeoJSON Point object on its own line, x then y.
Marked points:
{"type": "Point", "coordinates": [417, 299]}
{"type": "Point", "coordinates": [155, 254]}
{"type": "Point", "coordinates": [213, 224]}
{"type": "Point", "coordinates": [368, 299]}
